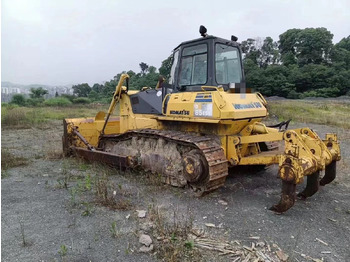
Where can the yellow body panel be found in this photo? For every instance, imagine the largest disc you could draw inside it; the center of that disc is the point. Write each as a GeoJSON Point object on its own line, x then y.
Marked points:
{"type": "Point", "coordinates": [214, 105]}
{"type": "Point", "coordinates": [90, 128]}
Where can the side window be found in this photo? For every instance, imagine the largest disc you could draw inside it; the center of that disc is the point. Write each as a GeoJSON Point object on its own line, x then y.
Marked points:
{"type": "Point", "coordinates": [173, 67]}
{"type": "Point", "coordinates": [194, 65]}
{"type": "Point", "coordinates": [227, 64]}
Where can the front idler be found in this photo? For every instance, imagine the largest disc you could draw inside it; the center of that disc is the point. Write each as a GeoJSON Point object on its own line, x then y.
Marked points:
{"type": "Point", "coordinates": [195, 170]}
{"type": "Point", "coordinates": [330, 173]}
{"type": "Point", "coordinates": [312, 185]}
{"type": "Point", "coordinates": [287, 198]}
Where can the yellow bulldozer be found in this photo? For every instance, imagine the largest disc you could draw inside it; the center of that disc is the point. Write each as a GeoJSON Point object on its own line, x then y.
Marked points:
{"type": "Point", "coordinates": [191, 130]}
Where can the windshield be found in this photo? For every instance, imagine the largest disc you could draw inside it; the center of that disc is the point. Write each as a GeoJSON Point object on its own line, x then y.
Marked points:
{"type": "Point", "coordinates": [227, 64]}
{"type": "Point", "coordinates": [194, 68]}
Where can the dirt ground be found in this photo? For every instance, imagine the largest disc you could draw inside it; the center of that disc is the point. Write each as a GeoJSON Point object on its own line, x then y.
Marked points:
{"type": "Point", "coordinates": [43, 218]}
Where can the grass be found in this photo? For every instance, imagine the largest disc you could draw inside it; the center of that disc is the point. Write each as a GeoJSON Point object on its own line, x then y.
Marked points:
{"type": "Point", "coordinates": [114, 230]}
{"type": "Point", "coordinates": [63, 250]}
{"type": "Point", "coordinates": [9, 160]}
{"type": "Point", "coordinates": [327, 112]}
{"type": "Point", "coordinates": [27, 117]}
{"type": "Point", "coordinates": [23, 237]}
{"type": "Point", "coordinates": [53, 154]}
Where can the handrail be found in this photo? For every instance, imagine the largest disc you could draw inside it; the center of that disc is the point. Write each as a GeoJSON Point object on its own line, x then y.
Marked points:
{"type": "Point", "coordinates": [207, 87]}
{"type": "Point", "coordinates": [261, 98]}
{"type": "Point", "coordinates": [163, 103]}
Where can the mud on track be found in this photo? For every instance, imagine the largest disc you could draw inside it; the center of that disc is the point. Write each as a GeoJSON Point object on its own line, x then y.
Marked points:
{"type": "Point", "coordinates": [36, 205]}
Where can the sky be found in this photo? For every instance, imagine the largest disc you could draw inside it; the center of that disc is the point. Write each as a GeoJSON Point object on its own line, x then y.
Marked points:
{"type": "Point", "coordinates": [64, 42]}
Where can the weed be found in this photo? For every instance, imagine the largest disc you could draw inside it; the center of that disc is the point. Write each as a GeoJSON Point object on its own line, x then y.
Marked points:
{"type": "Point", "coordinates": [64, 182]}
{"type": "Point", "coordinates": [107, 196]}
{"type": "Point", "coordinates": [175, 245]}
{"type": "Point", "coordinates": [155, 179]}
{"type": "Point", "coordinates": [73, 194]}
{"type": "Point", "coordinates": [24, 241]}
{"type": "Point", "coordinates": [83, 167]}
{"type": "Point", "coordinates": [9, 160]}
{"type": "Point", "coordinates": [189, 244]}
{"type": "Point", "coordinates": [88, 209]}
{"type": "Point", "coordinates": [4, 174]}
{"type": "Point", "coordinates": [128, 249]}
{"type": "Point", "coordinates": [54, 154]}
{"type": "Point", "coordinates": [63, 250]}
{"type": "Point", "coordinates": [114, 231]}
{"type": "Point", "coordinates": [88, 183]}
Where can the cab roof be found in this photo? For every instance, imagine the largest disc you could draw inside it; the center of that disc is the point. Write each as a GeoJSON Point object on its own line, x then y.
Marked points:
{"type": "Point", "coordinates": [219, 39]}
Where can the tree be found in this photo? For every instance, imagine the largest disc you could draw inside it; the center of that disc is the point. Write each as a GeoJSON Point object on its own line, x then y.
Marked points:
{"type": "Point", "coordinates": [165, 68]}
{"type": "Point", "coordinates": [306, 46]}
{"type": "Point", "coordinates": [344, 43]}
{"type": "Point", "coordinates": [38, 92]}
{"type": "Point", "coordinates": [56, 94]}
{"type": "Point", "coordinates": [250, 50]}
{"type": "Point", "coordinates": [97, 88]}
{"type": "Point", "coordinates": [144, 67]}
{"type": "Point", "coordinates": [340, 54]}
{"type": "Point", "coordinates": [81, 90]}
{"type": "Point", "coordinates": [18, 99]}
{"type": "Point", "coordinates": [269, 54]}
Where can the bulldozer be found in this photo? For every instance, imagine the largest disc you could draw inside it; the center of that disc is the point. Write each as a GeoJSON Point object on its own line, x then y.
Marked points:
{"type": "Point", "coordinates": [203, 122]}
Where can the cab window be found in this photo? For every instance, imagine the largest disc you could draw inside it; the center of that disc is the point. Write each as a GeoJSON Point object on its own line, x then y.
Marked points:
{"type": "Point", "coordinates": [193, 70]}
{"type": "Point", "coordinates": [227, 64]}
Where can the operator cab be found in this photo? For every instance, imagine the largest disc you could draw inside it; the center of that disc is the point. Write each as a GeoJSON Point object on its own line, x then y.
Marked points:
{"type": "Point", "coordinates": [207, 61]}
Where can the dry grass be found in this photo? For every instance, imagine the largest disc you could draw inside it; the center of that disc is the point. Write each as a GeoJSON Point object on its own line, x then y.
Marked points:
{"type": "Point", "coordinates": [174, 243]}
{"type": "Point", "coordinates": [327, 112]}
{"type": "Point", "coordinates": [107, 194]}
{"type": "Point", "coordinates": [9, 160]}
{"type": "Point", "coordinates": [54, 154]}
{"type": "Point", "coordinates": [27, 117]}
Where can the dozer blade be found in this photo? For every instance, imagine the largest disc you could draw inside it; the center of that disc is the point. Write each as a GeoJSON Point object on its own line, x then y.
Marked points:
{"type": "Point", "coordinates": [312, 185]}
{"type": "Point", "coordinates": [330, 173]}
{"type": "Point", "coordinates": [287, 197]}
{"type": "Point", "coordinates": [105, 157]}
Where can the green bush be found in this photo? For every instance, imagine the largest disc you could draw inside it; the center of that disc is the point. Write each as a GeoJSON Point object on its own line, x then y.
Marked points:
{"type": "Point", "coordinates": [35, 101]}
{"type": "Point", "coordinates": [81, 100]}
{"type": "Point", "coordinates": [18, 99]}
{"type": "Point", "coordinates": [58, 101]}
{"type": "Point", "coordinates": [323, 92]}
{"type": "Point", "coordinates": [69, 97]}
{"type": "Point", "coordinates": [105, 100]}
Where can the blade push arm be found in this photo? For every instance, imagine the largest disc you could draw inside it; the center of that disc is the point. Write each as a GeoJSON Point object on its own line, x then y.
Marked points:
{"type": "Point", "coordinates": [115, 99]}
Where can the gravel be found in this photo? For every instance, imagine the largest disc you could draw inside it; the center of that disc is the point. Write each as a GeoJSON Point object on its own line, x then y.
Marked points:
{"type": "Point", "coordinates": [37, 208]}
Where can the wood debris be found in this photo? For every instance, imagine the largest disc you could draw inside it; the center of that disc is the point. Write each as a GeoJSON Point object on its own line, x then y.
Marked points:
{"type": "Point", "coordinates": [308, 257]}
{"type": "Point", "coordinates": [238, 252]}
{"type": "Point", "coordinates": [321, 241]}
{"type": "Point", "coordinates": [281, 255]}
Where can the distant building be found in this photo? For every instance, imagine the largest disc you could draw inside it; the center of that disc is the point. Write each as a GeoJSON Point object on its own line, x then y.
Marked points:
{"type": "Point", "coordinates": [10, 90]}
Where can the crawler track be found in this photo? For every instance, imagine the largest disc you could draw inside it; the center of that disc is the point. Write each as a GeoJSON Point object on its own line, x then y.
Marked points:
{"type": "Point", "coordinates": [209, 147]}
